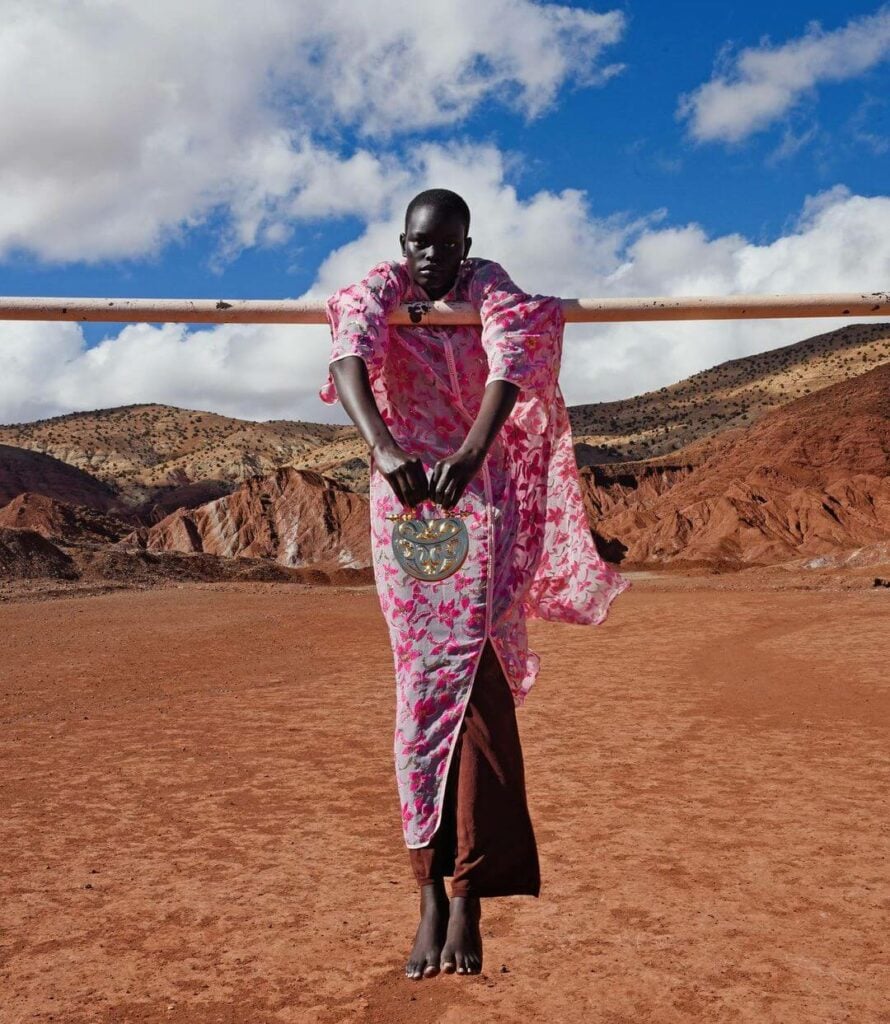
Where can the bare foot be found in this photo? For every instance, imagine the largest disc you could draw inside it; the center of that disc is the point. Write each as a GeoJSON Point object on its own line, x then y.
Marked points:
{"type": "Point", "coordinates": [424, 959]}
{"type": "Point", "coordinates": [462, 952]}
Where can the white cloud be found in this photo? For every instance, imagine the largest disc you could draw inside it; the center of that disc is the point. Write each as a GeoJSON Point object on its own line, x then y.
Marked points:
{"type": "Point", "coordinates": [125, 124]}
{"type": "Point", "coordinates": [550, 242]}
{"type": "Point", "coordinates": [555, 245]}
{"type": "Point", "coordinates": [839, 243]}
{"type": "Point", "coordinates": [253, 371]}
{"type": "Point", "coordinates": [763, 83]}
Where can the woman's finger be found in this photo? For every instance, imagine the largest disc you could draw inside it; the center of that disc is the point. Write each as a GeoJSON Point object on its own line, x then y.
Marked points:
{"type": "Point", "coordinates": [445, 486]}
{"type": "Point", "coordinates": [408, 483]}
{"type": "Point", "coordinates": [434, 480]}
{"type": "Point", "coordinates": [449, 494]}
{"type": "Point", "coordinates": [421, 484]}
{"type": "Point", "coordinates": [396, 486]}
{"type": "Point", "coordinates": [409, 488]}
{"type": "Point", "coordinates": [416, 492]}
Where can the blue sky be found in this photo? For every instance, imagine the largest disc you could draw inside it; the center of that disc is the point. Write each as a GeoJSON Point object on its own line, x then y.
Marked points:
{"type": "Point", "coordinates": [746, 147]}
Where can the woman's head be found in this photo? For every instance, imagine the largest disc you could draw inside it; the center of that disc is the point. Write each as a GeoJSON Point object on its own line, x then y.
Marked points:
{"type": "Point", "coordinates": [436, 239]}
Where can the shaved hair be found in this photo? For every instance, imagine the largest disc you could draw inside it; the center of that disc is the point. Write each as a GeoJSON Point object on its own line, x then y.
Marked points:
{"type": "Point", "coordinates": [442, 199]}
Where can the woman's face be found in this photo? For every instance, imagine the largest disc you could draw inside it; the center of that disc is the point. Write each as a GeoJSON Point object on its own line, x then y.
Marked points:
{"type": "Point", "coordinates": [434, 245]}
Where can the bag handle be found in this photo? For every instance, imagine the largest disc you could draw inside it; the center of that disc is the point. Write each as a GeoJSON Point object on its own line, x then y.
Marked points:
{"type": "Point", "coordinates": [409, 514]}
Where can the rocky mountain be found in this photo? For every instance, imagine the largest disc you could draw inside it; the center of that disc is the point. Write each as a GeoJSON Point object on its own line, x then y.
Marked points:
{"type": "Point", "coordinates": [24, 471]}
{"type": "Point", "coordinates": [732, 395]}
{"type": "Point", "coordinates": [149, 452]}
{"type": "Point", "coordinates": [294, 517]}
{"type": "Point", "coordinates": [811, 478]}
{"type": "Point", "coordinates": [58, 521]}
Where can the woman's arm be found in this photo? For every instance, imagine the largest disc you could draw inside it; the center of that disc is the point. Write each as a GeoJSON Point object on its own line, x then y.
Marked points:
{"type": "Point", "coordinates": [501, 306]}
{"type": "Point", "coordinates": [404, 472]}
{"type": "Point", "coordinates": [360, 336]}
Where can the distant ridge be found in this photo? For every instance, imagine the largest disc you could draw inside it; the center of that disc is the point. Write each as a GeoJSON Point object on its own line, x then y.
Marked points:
{"type": "Point", "coordinates": [734, 394]}
{"type": "Point", "coordinates": [142, 451]}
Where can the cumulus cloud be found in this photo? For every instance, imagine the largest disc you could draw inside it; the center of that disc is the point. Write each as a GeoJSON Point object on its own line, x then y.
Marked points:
{"type": "Point", "coordinates": [551, 242]}
{"type": "Point", "coordinates": [253, 371]}
{"type": "Point", "coordinates": [838, 243]}
{"type": "Point", "coordinates": [555, 244]}
{"type": "Point", "coordinates": [126, 124]}
{"type": "Point", "coordinates": [759, 86]}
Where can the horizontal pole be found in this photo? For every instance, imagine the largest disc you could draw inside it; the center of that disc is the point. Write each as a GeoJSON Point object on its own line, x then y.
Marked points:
{"type": "Point", "coordinates": [312, 311]}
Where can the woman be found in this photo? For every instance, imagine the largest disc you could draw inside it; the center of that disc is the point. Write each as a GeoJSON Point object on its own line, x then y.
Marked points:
{"type": "Point", "coordinates": [470, 419]}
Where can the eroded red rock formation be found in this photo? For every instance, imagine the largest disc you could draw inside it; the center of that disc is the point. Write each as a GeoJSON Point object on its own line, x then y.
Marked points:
{"type": "Point", "coordinates": [811, 478]}
{"type": "Point", "coordinates": [165, 500]}
{"type": "Point", "coordinates": [58, 521]}
{"type": "Point", "coordinates": [296, 517]}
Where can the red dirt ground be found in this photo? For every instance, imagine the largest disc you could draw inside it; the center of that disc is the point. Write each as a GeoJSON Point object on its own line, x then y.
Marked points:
{"type": "Point", "coordinates": [200, 822]}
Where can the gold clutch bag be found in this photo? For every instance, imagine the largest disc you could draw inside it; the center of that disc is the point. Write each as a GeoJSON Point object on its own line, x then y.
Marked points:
{"type": "Point", "coordinates": [430, 549]}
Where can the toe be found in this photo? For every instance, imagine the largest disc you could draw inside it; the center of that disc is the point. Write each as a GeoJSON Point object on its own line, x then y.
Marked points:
{"type": "Point", "coordinates": [431, 969]}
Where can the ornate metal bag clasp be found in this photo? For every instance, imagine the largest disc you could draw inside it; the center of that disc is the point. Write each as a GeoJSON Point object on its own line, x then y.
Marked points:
{"type": "Point", "coordinates": [430, 549]}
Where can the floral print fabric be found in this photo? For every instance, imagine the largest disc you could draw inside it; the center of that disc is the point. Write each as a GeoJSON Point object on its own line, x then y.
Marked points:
{"type": "Point", "coordinates": [531, 551]}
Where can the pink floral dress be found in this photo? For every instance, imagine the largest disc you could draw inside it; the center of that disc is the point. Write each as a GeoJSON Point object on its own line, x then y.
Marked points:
{"type": "Point", "coordinates": [531, 553]}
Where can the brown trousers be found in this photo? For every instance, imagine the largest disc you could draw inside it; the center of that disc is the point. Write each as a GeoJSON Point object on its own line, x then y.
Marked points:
{"type": "Point", "coordinates": [485, 840]}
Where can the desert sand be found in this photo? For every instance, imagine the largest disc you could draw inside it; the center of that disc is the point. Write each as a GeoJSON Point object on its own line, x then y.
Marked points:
{"type": "Point", "coordinates": [200, 821]}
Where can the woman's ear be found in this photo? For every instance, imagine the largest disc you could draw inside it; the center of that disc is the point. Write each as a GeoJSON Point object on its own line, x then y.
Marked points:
{"type": "Point", "coordinates": [402, 243]}
{"type": "Point", "coordinates": [467, 245]}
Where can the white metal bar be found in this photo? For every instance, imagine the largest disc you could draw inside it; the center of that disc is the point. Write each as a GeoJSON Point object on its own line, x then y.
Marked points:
{"type": "Point", "coordinates": [303, 311]}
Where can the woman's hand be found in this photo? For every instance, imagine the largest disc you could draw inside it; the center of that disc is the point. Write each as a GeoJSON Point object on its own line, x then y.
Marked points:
{"type": "Point", "coordinates": [404, 472]}
{"type": "Point", "coordinates": [450, 477]}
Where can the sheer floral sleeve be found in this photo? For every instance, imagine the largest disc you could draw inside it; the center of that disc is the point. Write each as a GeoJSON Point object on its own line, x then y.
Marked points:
{"type": "Point", "coordinates": [357, 316]}
{"type": "Point", "coordinates": [522, 338]}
